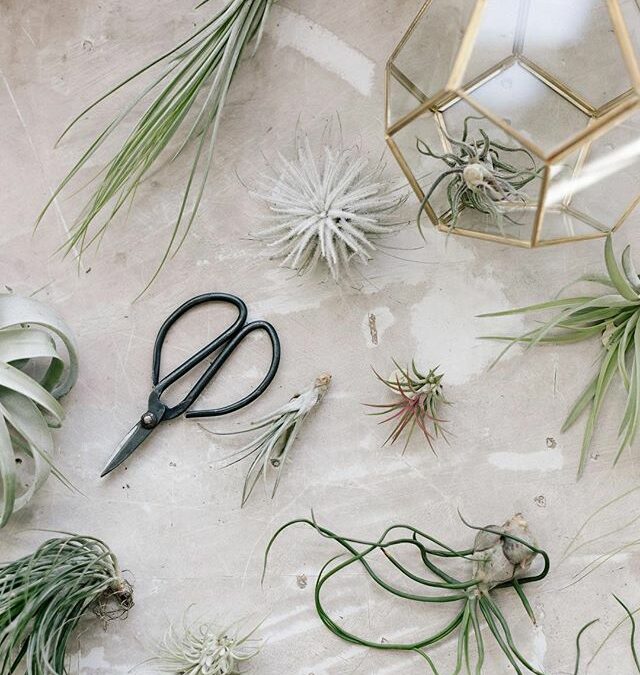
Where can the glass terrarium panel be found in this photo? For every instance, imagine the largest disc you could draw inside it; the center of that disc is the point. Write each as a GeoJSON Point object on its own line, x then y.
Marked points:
{"type": "Point", "coordinates": [631, 14]}
{"type": "Point", "coordinates": [495, 40]}
{"type": "Point", "coordinates": [401, 99]}
{"type": "Point", "coordinates": [515, 223]}
{"type": "Point", "coordinates": [424, 169]}
{"type": "Point", "coordinates": [428, 55]}
{"type": "Point", "coordinates": [530, 107]}
{"type": "Point", "coordinates": [607, 184]}
{"type": "Point", "coordinates": [560, 224]}
{"type": "Point", "coordinates": [575, 43]}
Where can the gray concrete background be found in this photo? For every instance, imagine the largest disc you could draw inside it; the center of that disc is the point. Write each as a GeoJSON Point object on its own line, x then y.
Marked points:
{"type": "Point", "coordinates": [173, 516]}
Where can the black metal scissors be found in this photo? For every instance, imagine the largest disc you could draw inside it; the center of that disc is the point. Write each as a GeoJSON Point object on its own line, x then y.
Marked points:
{"type": "Point", "coordinates": [226, 342]}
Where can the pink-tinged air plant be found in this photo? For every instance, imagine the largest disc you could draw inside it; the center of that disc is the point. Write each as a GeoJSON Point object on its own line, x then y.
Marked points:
{"type": "Point", "coordinates": [420, 396]}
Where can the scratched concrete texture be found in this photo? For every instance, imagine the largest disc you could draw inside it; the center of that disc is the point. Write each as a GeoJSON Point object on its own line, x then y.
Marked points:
{"type": "Point", "coordinates": [172, 514]}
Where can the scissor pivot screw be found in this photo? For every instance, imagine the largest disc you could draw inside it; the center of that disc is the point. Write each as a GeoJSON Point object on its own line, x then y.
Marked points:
{"type": "Point", "coordinates": [149, 420]}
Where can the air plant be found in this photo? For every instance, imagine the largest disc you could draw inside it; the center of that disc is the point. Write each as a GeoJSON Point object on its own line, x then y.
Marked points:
{"type": "Point", "coordinates": [501, 557]}
{"type": "Point", "coordinates": [328, 210]}
{"type": "Point", "coordinates": [183, 104]}
{"type": "Point", "coordinates": [271, 448]}
{"type": "Point", "coordinates": [204, 649]}
{"type": "Point", "coordinates": [479, 177]}
{"type": "Point", "coordinates": [35, 371]}
{"type": "Point", "coordinates": [43, 597]}
{"type": "Point", "coordinates": [613, 317]}
{"type": "Point", "coordinates": [419, 398]}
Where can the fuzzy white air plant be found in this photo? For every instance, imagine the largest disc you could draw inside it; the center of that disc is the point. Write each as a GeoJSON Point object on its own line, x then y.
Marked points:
{"type": "Point", "coordinates": [281, 428]}
{"type": "Point", "coordinates": [327, 210]}
{"type": "Point", "coordinates": [204, 649]}
{"type": "Point", "coordinates": [38, 365]}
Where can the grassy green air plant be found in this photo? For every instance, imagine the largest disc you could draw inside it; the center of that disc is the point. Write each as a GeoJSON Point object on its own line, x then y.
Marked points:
{"type": "Point", "coordinates": [38, 365]}
{"type": "Point", "coordinates": [183, 109]}
{"type": "Point", "coordinates": [205, 649]}
{"type": "Point", "coordinates": [501, 557]}
{"type": "Point", "coordinates": [419, 399]}
{"type": "Point", "coordinates": [44, 596]}
{"type": "Point", "coordinates": [280, 428]}
{"type": "Point", "coordinates": [613, 318]}
{"type": "Point", "coordinates": [479, 177]}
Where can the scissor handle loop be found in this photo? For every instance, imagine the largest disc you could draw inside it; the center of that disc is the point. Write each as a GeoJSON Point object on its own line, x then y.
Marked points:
{"type": "Point", "coordinates": [161, 385]}
{"type": "Point", "coordinates": [219, 362]}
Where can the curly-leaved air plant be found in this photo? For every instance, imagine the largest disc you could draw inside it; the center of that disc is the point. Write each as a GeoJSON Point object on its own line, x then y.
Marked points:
{"type": "Point", "coordinates": [614, 317]}
{"type": "Point", "coordinates": [271, 448]}
{"type": "Point", "coordinates": [185, 105]}
{"type": "Point", "coordinates": [205, 649]}
{"type": "Point", "coordinates": [38, 365]}
{"type": "Point", "coordinates": [500, 557]}
{"type": "Point", "coordinates": [326, 211]}
{"type": "Point", "coordinates": [420, 396]}
{"type": "Point", "coordinates": [43, 597]}
{"type": "Point", "coordinates": [479, 177]}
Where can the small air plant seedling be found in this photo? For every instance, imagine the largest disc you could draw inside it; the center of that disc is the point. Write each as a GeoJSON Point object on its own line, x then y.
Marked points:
{"type": "Point", "coordinates": [328, 210]}
{"type": "Point", "coordinates": [183, 107]}
{"type": "Point", "coordinates": [420, 397]}
{"type": "Point", "coordinates": [614, 318]}
{"type": "Point", "coordinates": [271, 448]}
{"type": "Point", "coordinates": [38, 365]}
{"type": "Point", "coordinates": [44, 596]}
{"type": "Point", "coordinates": [479, 177]}
{"type": "Point", "coordinates": [204, 649]}
{"type": "Point", "coordinates": [501, 557]}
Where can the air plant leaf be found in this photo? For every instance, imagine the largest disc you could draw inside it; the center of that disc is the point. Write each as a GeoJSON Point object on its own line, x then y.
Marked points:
{"type": "Point", "coordinates": [615, 318]}
{"type": "Point", "coordinates": [184, 104]}
{"type": "Point", "coordinates": [419, 400]}
{"type": "Point", "coordinates": [38, 364]}
{"type": "Point", "coordinates": [277, 433]}
{"type": "Point", "coordinates": [326, 210]}
{"type": "Point", "coordinates": [478, 176]}
{"type": "Point", "coordinates": [43, 597]}
{"type": "Point", "coordinates": [206, 649]}
{"type": "Point", "coordinates": [501, 557]}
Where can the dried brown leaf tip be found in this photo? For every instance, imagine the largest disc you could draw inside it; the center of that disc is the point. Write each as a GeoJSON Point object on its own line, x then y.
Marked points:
{"type": "Point", "coordinates": [419, 397]}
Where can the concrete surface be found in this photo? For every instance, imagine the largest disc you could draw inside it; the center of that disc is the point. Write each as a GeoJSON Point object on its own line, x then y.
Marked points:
{"type": "Point", "coordinates": [173, 516]}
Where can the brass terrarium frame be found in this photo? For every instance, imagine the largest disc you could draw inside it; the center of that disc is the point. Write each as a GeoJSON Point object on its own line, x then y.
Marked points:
{"type": "Point", "coordinates": [600, 119]}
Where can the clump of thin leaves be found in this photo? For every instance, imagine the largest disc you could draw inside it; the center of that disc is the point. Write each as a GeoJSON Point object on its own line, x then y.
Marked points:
{"type": "Point", "coordinates": [38, 365]}
{"type": "Point", "coordinates": [44, 596]}
{"type": "Point", "coordinates": [419, 399]}
{"type": "Point", "coordinates": [205, 649]}
{"type": "Point", "coordinates": [271, 448]}
{"type": "Point", "coordinates": [613, 317]}
{"type": "Point", "coordinates": [328, 209]}
{"type": "Point", "coordinates": [196, 79]}
{"type": "Point", "coordinates": [501, 557]}
{"type": "Point", "coordinates": [479, 176]}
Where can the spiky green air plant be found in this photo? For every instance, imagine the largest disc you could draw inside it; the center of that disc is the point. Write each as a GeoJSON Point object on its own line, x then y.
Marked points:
{"type": "Point", "coordinates": [420, 397]}
{"type": "Point", "coordinates": [38, 365]}
{"type": "Point", "coordinates": [326, 211]}
{"type": "Point", "coordinates": [44, 596]}
{"type": "Point", "coordinates": [183, 109]}
{"type": "Point", "coordinates": [501, 557]}
{"type": "Point", "coordinates": [204, 649]}
{"type": "Point", "coordinates": [479, 177]}
{"type": "Point", "coordinates": [613, 317]}
{"type": "Point", "coordinates": [271, 448]}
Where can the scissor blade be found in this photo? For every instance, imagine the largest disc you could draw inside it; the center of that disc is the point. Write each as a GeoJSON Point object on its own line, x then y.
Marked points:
{"type": "Point", "coordinates": [128, 444]}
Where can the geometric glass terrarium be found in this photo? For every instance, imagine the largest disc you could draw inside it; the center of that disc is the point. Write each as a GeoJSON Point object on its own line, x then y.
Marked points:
{"type": "Point", "coordinates": [518, 121]}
